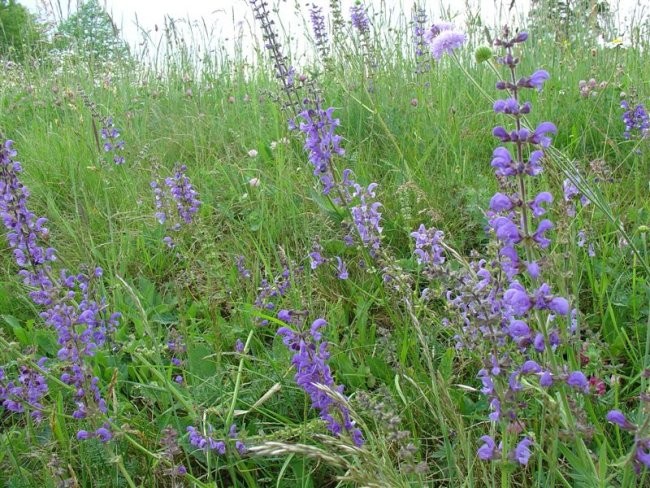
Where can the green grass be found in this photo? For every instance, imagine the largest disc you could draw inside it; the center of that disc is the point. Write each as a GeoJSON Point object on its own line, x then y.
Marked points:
{"type": "Point", "coordinates": [431, 160]}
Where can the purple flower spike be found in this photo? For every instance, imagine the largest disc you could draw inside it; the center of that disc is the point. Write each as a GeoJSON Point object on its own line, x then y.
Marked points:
{"type": "Point", "coordinates": [359, 17]}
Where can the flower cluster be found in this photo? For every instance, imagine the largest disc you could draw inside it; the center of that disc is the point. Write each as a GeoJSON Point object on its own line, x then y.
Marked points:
{"type": "Point", "coordinates": [269, 292]}
{"type": "Point", "coordinates": [320, 32]}
{"type": "Point", "coordinates": [176, 201]}
{"type": "Point", "coordinates": [636, 120]}
{"type": "Point", "coordinates": [423, 63]}
{"type": "Point", "coordinates": [359, 18]}
{"type": "Point", "coordinates": [208, 443]}
{"type": "Point", "coordinates": [443, 37]}
{"type": "Point", "coordinates": [310, 360]}
{"type": "Point", "coordinates": [321, 143]}
{"type": "Point", "coordinates": [69, 301]}
{"type": "Point", "coordinates": [590, 88]}
{"type": "Point", "coordinates": [112, 141]}
{"type": "Point", "coordinates": [506, 312]}
{"type": "Point", "coordinates": [26, 392]}
{"type": "Point", "coordinates": [177, 348]}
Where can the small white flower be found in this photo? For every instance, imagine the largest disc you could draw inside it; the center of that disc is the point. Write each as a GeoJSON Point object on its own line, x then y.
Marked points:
{"type": "Point", "coordinates": [273, 145]}
{"type": "Point", "coordinates": [252, 153]}
{"type": "Point", "coordinates": [254, 182]}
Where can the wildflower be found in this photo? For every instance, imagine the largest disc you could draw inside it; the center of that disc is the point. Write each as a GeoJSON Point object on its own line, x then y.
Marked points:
{"type": "Point", "coordinates": [310, 360]}
{"type": "Point", "coordinates": [521, 454]}
{"type": "Point", "coordinates": [320, 32]}
{"type": "Point", "coordinates": [635, 119]}
{"type": "Point", "coordinates": [489, 450]}
{"type": "Point", "coordinates": [578, 380]}
{"type": "Point", "coordinates": [341, 269]}
{"type": "Point", "coordinates": [112, 142]}
{"type": "Point", "coordinates": [176, 202]}
{"type": "Point", "coordinates": [359, 17]}
{"type": "Point", "coordinates": [446, 42]}
{"type": "Point", "coordinates": [254, 182]}
{"type": "Point", "coordinates": [617, 417]}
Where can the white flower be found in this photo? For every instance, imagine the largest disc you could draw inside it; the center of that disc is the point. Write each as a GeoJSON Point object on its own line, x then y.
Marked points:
{"type": "Point", "coordinates": [252, 153]}
{"type": "Point", "coordinates": [254, 182]}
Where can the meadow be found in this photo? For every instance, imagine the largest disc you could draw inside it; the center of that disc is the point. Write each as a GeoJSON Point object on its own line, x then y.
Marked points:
{"type": "Point", "coordinates": [418, 258]}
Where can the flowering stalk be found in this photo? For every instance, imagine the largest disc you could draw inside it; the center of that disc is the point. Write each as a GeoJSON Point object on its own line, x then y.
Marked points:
{"type": "Point", "coordinates": [310, 360]}
{"type": "Point", "coordinates": [506, 313]}
{"type": "Point", "coordinates": [69, 302]}
{"type": "Point", "coordinates": [176, 202]}
{"type": "Point", "coordinates": [284, 72]}
{"type": "Point", "coordinates": [361, 23]}
{"type": "Point", "coordinates": [320, 31]}
{"type": "Point", "coordinates": [422, 62]}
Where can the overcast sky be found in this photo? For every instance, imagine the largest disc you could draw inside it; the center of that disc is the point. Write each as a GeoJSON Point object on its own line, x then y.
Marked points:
{"type": "Point", "coordinates": [224, 18]}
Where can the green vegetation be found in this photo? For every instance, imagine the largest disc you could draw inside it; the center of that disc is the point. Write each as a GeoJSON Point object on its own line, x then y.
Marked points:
{"type": "Point", "coordinates": [174, 361]}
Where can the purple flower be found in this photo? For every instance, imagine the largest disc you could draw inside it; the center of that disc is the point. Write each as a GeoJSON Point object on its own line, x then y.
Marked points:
{"type": "Point", "coordinates": [642, 452]}
{"type": "Point", "coordinates": [500, 203]}
{"type": "Point", "coordinates": [112, 142]}
{"type": "Point", "coordinates": [535, 205]}
{"type": "Point", "coordinates": [310, 360]}
{"type": "Point", "coordinates": [539, 236]}
{"type": "Point", "coordinates": [103, 434]}
{"type": "Point", "coordinates": [446, 42]}
{"type": "Point", "coordinates": [367, 217]}
{"type": "Point", "coordinates": [341, 270]}
{"type": "Point", "coordinates": [635, 119]}
{"type": "Point", "coordinates": [546, 380]}
{"type": "Point", "coordinates": [359, 17]}
{"type": "Point", "coordinates": [489, 450]}
{"type": "Point", "coordinates": [536, 80]}
{"type": "Point", "coordinates": [522, 453]}
{"type": "Point", "coordinates": [428, 248]}
{"type": "Point", "coordinates": [617, 417]}
{"type": "Point", "coordinates": [530, 367]}
{"type": "Point", "coordinates": [518, 299]}
{"type": "Point", "coordinates": [241, 268]}
{"type": "Point", "coordinates": [578, 380]}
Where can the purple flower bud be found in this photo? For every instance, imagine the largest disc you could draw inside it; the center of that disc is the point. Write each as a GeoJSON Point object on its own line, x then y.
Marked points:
{"type": "Point", "coordinates": [500, 202]}
{"type": "Point", "coordinates": [559, 305]}
{"type": "Point", "coordinates": [103, 434]}
{"type": "Point", "coordinates": [546, 380]}
{"type": "Point", "coordinates": [530, 367]}
{"type": "Point", "coordinates": [578, 380]}
{"type": "Point", "coordinates": [617, 417]}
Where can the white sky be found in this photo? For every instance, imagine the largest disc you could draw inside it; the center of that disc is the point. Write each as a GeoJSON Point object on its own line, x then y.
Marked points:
{"type": "Point", "coordinates": [224, 18]}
